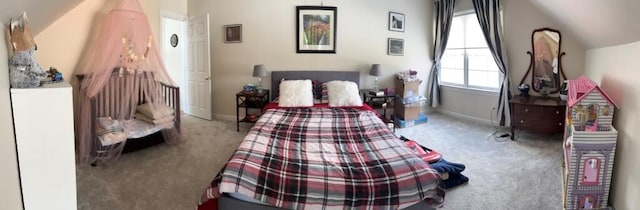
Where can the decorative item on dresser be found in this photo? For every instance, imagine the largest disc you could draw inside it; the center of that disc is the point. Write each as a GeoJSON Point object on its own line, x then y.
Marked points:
{"type": "Point", "coordinates": [536, 114]}
{"type": "Point", "coordinates": [250, 100]}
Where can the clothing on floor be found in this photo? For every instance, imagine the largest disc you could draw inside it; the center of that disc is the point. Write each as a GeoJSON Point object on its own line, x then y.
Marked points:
{"type": "Point", "coordinates": [453, 170]}
{"type": "Point", "coordinates": [450, 172]}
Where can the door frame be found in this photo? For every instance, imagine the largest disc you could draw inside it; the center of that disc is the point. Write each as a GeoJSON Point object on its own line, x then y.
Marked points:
{"type": "Point", "coordinates": [184, 97]}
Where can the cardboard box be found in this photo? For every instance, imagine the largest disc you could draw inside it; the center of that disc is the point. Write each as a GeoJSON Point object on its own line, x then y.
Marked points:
{"type": "Point", "coordinates": [406, 112]}
{"type": "Point", "coordinates": [407, 89]}
{"type": "Point", "coordinates": [410, 123]}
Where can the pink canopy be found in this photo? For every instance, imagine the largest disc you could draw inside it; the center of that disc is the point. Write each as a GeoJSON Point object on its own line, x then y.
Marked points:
{"type": "Point", "coordinates": [123, 44]}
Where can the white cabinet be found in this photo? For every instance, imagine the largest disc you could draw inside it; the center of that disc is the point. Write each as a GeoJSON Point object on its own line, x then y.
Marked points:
{"type": "Point", "coordinates": [43, 121]}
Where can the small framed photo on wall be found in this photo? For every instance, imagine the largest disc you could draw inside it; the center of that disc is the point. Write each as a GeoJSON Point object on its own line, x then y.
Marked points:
{"type": "Point", "coordinates": [233, 33]}
{"type": "Point", "coordinates": [396, 21]}
{"type": "Point", "coordinates": [395, 47]}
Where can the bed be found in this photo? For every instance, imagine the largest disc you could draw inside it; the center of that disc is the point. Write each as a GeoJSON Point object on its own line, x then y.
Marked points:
{"type": "Point", "coordinates": [139, 134]}
{"type": "Point", "coordinates": [322, 157]}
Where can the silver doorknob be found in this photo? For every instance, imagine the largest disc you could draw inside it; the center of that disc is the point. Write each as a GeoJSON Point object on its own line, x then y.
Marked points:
{"type": "Point", "coordinates": [207, 78]}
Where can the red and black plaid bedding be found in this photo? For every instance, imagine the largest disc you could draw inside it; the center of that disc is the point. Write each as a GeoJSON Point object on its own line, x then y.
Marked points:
{"type": "Point", "coordinates": [333, 158]}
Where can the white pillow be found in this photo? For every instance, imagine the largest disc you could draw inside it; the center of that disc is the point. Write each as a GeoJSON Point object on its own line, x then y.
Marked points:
{"type": "Point", "coordinates": [295, 93]}
{"type": "Point", "coordinates": [155, 111]}
{"type": "Point", "coordinates": [343, 93]}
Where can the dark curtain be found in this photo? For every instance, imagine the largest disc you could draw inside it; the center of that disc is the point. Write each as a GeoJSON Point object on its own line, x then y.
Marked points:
{"type": "Point", "coordinates": [490, 18]}
{"type": "Point", "coordinates": [444, 17]}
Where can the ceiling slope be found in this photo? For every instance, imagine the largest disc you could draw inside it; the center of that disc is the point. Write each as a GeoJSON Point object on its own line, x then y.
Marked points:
{"type": "Point", "coordinates": [41, 13]}
{"type": "Point", "coordinates": [597, 23]}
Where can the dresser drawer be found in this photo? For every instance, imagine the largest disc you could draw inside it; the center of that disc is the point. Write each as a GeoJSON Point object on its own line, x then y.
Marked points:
{"type": "Point", "coordinates": [553, 111]}
{"type": "Point", "coordinates": [527, 110]}
{"type": "Point", "coordinates": [538, 115]}
{"type": "Point", "coordinates": [522, 122]}
{"type": "Point", "coordinates": [538, 125]}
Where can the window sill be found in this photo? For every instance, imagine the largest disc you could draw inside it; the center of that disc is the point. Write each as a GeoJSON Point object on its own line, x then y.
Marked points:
{"type": "Point", "coordinates": [471, 90]}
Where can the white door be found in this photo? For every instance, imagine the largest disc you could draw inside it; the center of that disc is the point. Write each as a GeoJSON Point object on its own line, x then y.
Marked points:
{"type": "Point", "coordinates": [199, 67]}
{"type": "Point", "coordinates": [174, 53]}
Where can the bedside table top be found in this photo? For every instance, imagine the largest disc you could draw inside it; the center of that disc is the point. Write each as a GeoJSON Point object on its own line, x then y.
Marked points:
{"type": "Point", "coordinates": [264, 92]}
{"type": "Point", "coordinates": [365, 92]}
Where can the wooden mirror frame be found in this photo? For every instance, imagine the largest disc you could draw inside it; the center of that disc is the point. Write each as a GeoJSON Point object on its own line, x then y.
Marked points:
{"type": "Point", "coordinates": [540, 71]}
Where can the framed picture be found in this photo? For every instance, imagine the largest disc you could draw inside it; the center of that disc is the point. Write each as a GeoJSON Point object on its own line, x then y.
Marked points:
{"type": "Point", "coordinates": [316, 29]}
{"type": "Point", "coordinates": [233, 33]}
{"type": "Point", "coordinates": [396, 21]}
{"type": "Point", "coordinates": [396, 47]}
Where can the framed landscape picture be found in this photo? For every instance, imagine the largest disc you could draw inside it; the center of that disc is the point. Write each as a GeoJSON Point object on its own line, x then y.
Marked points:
{"type": "Point", "coordinates": [316, 29]}
{"type": "Point", "coordinates": [396, 21]}
{"type": "Point", "coordinates": [395, 46]}
{"type": "Point", "coordinates": [233, 33]}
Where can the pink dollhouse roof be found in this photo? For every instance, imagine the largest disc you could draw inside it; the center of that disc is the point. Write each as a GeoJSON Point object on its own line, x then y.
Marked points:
{"type": "Point", "coordinates": [581, 87]}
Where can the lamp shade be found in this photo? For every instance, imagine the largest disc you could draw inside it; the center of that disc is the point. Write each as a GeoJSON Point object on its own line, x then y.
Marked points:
{"type": "Point", "coordinates": [259, 71]}
{"type": "Point", "coordinates": [375, 70]}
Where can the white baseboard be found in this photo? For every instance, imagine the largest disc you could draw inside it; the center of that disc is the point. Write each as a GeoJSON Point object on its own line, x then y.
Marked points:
{"type": "Point", "coordinates": [465, 117]}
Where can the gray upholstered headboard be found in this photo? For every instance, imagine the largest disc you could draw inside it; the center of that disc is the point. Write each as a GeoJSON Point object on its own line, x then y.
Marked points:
{"type": "Point", "coordinates": [322, 76]}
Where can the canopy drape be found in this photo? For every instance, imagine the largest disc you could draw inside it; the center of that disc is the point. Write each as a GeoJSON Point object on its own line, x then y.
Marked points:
{"type": "Point", "coordinates": [124, 44]}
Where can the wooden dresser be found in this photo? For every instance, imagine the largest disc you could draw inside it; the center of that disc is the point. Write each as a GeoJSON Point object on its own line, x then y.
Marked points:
{"type": "Point", "coordinates": [537, 114]}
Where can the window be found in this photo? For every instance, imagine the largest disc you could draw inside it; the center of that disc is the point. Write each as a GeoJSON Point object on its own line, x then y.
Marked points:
{"type": "Point", "coordinates": [467, 61]}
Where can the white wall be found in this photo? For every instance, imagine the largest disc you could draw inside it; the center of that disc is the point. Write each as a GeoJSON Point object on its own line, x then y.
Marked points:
{"type": "Point", "coordinates": [10, 197]}
{"type": "Point", "coordinates": [520, 19]}
{"type": "Point", "coordinates": [616, 70]}
{"type": "Point", "coordinates": [269, 39]}
{"type": "Point", "coordinates": [61, 45]}
{"type": "Point", "coordinates": [64, 42]}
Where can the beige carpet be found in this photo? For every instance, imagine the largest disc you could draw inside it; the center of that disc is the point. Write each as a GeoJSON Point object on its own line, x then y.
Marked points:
{"type": "Point", "coordinates": [522, 174]}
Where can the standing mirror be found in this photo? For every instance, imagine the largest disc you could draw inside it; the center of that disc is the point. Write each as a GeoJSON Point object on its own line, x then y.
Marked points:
{"type": "Point", "coordinates": [545, 61]}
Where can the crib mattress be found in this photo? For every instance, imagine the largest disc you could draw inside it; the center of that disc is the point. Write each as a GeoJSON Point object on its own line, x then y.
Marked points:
{"type": "Point", "coordinates": [133, 128]}
{"type": "Point", "coordinates": [137, 128]}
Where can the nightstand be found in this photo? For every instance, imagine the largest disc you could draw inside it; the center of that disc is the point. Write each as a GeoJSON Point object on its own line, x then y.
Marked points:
{"type": "Point", "coordinates": [382, 103]}
{"type": "Point", "coordinates": [250, 100]}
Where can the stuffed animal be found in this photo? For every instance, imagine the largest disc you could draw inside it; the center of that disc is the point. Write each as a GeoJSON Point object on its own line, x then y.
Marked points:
{"type": "Point", "coordinates": [24, 71]}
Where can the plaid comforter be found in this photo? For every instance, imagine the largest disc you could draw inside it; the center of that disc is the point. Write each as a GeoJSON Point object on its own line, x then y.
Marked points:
{"type": "Point", "coordinates": [328, 158]}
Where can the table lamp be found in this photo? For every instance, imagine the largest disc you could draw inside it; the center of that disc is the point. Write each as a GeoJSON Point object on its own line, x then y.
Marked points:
{"type": "Point", "coordinates": [375, 71]}
{"type": "Point", "coordinates": [259, 71]}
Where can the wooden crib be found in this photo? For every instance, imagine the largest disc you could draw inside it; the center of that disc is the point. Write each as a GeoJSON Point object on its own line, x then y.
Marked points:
{"type": "Point", "coordinates": [112, 93]}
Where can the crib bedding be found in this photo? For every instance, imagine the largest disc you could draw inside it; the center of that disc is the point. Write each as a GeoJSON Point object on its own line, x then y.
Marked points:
{"type": "Point", "coordinates": [130, 129]}
{"type": "Point", "coordinates": [334, 158]}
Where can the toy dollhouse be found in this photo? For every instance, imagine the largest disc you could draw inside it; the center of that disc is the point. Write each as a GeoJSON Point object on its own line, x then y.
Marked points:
{"type": "Point", "coordinates": [589, 146]}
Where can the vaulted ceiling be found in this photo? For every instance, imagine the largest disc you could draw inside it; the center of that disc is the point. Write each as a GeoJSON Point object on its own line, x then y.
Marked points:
{"type": "Point", "coordinates": [41, 13]}
{"type": "Point", "coordinates": [597, 23]}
